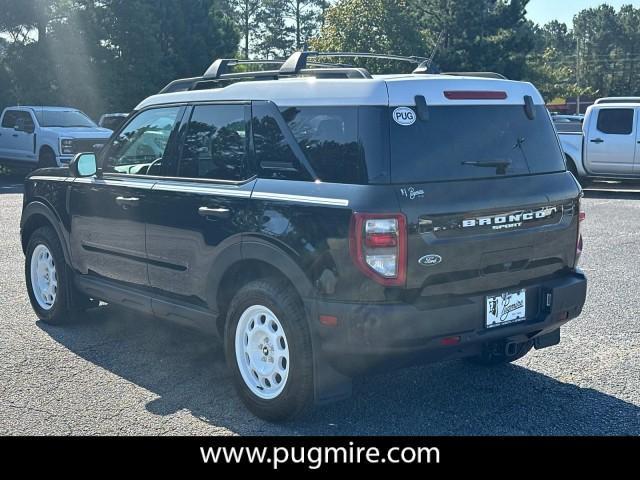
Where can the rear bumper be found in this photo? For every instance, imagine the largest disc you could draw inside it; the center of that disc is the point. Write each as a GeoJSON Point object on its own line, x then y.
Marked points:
{"type": "Point", "coordinates": [426, 328]}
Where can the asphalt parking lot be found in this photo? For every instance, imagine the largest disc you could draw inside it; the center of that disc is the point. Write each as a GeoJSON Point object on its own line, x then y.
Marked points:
{"type": "Point", "coordinates": [121, 373]}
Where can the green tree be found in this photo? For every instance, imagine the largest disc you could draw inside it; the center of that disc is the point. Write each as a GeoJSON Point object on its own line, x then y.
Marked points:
{"type": "Point", "coordinates": [478, 34]}
{"type": "Point", "coordinates": [306, 16]}
{"type": "Point", "coordinates": [141, 45]}
{"type": "Point", "coordinates": [276, 34]}
{"type": "Point", "coordinates": [627, 82]}
{"type": "Point", "coordinates": [381, 26]}
{"type": "Point", "coordinates": [597, 31]}
{"type": "Point", "coordinates": [247, 12]}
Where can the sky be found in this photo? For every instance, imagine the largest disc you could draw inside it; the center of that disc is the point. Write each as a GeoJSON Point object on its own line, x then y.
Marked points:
{"type": "Point", "coordinates": [543, 11]}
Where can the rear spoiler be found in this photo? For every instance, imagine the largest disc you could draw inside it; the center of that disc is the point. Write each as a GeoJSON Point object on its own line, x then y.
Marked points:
{"type": "Point", "coordinates": [494, 75]}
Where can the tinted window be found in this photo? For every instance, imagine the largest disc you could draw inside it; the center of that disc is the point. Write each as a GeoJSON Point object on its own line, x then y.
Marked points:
{"type": "Point", "coordinates": [215, 144]}
{"type": "Point", "coordinates": [445, 146]}
{"type": "Point", "coordinates": [112, 123]}
{"type": "Point", "coordinates": [142, 142]}
{"type": "Point", "coordinates": [328, 137]}
{"type": "Point", "coordinates": [63, 118]}
{"type": "Point", "coordinates": [616, 121]}
{"type": "Point", "coordinates": [13, 118]}
{"type": "Point", "coordinates": [274, 156]}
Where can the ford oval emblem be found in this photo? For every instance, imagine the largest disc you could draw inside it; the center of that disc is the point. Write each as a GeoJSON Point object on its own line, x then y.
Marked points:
{"type": "Point", "coordinates": [430, 260]}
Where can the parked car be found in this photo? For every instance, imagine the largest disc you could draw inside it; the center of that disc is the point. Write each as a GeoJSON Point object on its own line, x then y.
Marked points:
{"type": "Point", "coordinates": [47, 136]}
{"type": "Point", "coordinates": [112, 121]}
{"type": "Point", "coordinates": [568, 123]}
{"type": "Point", "coordinates": [323, 221]}
{"type": "Point", "coordinates": [606, 148]}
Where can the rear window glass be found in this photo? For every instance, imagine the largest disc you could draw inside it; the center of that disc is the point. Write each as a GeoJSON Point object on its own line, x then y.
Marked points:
{"type": "Point", "coordinates": [474, 141]}
{"type": "Point", "coordinates": [616, 121]}
{"type": "Point", "coordinates": [274, 155]}
{"type": "Point", "coordinates": [329, 138]}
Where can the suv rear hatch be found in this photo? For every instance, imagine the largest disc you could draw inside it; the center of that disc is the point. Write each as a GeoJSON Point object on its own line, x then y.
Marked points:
{"type": "Point", "coordinates": [484, 187]}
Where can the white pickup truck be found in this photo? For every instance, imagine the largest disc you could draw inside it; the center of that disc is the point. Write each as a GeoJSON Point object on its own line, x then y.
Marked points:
{"type": "Point", "coordinates": [37, 137]}
{"type": "Point", "coordinates": [608, 148]}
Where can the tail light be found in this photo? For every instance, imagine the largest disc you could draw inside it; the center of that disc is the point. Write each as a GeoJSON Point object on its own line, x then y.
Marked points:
{"type": "Point", "coordinates": [378, 245]}
{"type": "Point", "coordinates": [581, 218]}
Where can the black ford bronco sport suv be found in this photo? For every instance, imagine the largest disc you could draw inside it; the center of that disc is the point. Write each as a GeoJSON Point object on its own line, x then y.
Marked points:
{"type": "Point", "coordinates": [321, 220]}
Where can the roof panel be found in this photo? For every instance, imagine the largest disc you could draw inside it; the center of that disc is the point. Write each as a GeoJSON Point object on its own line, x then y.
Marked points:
{"type": "Point", "coordinates": [381, 90]}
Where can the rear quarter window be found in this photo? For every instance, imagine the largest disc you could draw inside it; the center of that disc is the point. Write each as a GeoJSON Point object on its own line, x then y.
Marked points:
{"type": "Point", "coordinates": [328, 137]}
{"type": "Point", "coordinates": [344, 144]}
{"type": "Point", "coordinates": [616, 121]}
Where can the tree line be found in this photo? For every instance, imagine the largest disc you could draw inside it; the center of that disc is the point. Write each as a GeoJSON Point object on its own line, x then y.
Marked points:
{"type": "Point", "coordinates": [107, 55]}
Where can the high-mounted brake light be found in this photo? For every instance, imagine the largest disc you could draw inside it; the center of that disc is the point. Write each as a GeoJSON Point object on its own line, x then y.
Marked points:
{"type": "Point", "coordinates": [378, 245]}
{"type": "Point", "coordinates": [474, 95]}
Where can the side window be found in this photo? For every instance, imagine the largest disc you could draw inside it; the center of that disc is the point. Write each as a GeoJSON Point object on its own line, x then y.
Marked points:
{"type": "Point", "coordinates": [274, 156]}
{"type": "Point", "coordinates": [141, 145]}
{"type": "Point", "coordinates": [616, 121]}
{"type": "Point", "coordinates": [215, 145]}
{"type": "Point", "coordinates": [24, 121]}
{"type": "Point", "coordinates": [10, 119]}
{"type": "Point", "coordinates": [329, 138]}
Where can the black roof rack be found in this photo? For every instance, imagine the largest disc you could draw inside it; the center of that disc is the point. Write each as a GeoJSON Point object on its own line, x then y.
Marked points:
{"type": "Point", "coordinates": [221, 66]}
{"type": "Point", "coordinates": [220, 70]}
{"type": "Point", "coordinates": [298, 60]}
{"type": "Point", "coordinates": [298, 64]}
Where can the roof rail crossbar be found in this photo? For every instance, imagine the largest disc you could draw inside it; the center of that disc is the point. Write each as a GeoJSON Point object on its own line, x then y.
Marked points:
{"type": "Point", "coordinates": [297, 63]}
{"type": "Point", "coordinates": [337, 72]}
{"type": "Point", "coordinates": [298, 60]}
{"type": "Point", "coordinates": [179, 85]}
{"type": "Point", "coordinates": [222, 66]}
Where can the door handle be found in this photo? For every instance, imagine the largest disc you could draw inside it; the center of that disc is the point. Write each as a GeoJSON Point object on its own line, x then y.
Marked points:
{"type": "Point", "coordinates": [597, 140]}
{"type": "Point", "coordinates": [15, 135]}
{"type": "Point", "coordinates": [127, 201]}
{"type": "Point", "coordinates": [214, 212]}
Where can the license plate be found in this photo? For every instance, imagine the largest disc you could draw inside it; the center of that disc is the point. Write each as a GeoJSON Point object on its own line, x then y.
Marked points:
{"type": "Point", "coordinates": [505, 308]}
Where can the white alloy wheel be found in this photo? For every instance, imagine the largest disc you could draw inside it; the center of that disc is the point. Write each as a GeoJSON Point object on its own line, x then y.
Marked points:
{"type": "Point", "coordinates": [44, 280]}
{"type": "Point", "coordinates": [262, 352]}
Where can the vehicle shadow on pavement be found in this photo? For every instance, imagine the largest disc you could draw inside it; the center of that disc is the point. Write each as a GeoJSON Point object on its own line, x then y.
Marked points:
{"type": "Point", "coordinates": [631, 192]}
{"type": "Point", "coordinates": [187, 371]}
{"type": "Point", "coordinates": [11, 183]}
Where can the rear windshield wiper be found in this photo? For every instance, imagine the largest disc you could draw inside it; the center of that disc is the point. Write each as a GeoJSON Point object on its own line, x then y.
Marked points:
{"type": "Point", "coordinates": [500, 165]}
{"type": "Point", "coordinates": [494, 164]}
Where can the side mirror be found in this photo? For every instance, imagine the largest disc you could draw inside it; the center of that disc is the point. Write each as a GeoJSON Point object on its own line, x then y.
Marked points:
{"type": "Point", "coordinates": [25, 128]}
{"type": "Point", "coordinates": [83, 165]}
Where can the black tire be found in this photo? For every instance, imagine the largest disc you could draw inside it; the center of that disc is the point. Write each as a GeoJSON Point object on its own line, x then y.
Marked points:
{"type": "Point", "coordinates": [280, 299]}
{"type": "Point", "coordinates": [571, 166]}
{"type": "Point", "coordinates": [494, 354]}
{"type": "Point", "coordinates": [68, 301]}
{"type": "Point", "coordinates": [47, 159]}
